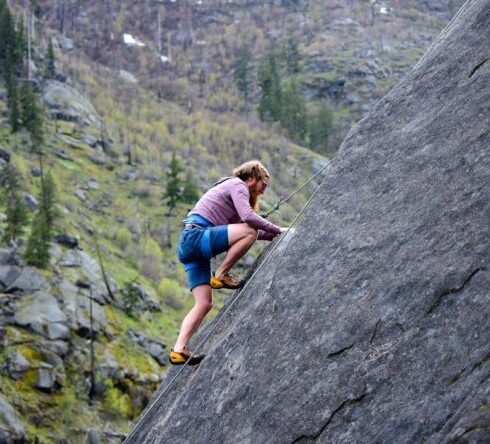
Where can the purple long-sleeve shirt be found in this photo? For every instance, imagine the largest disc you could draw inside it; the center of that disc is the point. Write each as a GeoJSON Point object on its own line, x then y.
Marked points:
{"type": "Point", "coordinates": [229, 203]}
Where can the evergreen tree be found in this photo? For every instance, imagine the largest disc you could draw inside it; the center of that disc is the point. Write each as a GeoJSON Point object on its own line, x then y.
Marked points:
{"type": "Point", "coordinates": [242, 71]}
{"type": "Point", "coordinates": [11, 56]}
{"type": "Point", "coordinates": [37, 252]}
{"type": "Point", "coordinates": [10, 44]}
{"type": "Point", "coordinates": [190, 193]}
{"type": "Point", "coordinates": [292, 56]}
{"type": "Point", "coordinates": [31, 117]}
{"type": "Point", "coordinates": [270, 104]}
{"type": "Point", "coordinates": [16, 210]}
{"type": "Point", "coordinates": [320, 128]}
{"type": "Point", "coordinates": [50, 70]}
{"type": "Point", "coordinates": [294, 116]}
{"type": "Point", "coordinates": [36, 8]}
{"type": "Point", "coordinates": [13, 104]}
{"type": "Point", "coordinates": [173, 192]}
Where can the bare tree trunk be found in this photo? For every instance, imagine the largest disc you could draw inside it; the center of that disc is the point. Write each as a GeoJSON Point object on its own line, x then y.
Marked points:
{"type": "Point", "coordinates": [159, 32]}
{"type": "Point", "coordinates": [91, 394]}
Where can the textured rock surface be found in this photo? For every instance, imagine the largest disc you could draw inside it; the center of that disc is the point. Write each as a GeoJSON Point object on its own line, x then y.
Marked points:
{"type": "Point", "coordinates": [11, 427]}
{"type": "Point", "coordinates": [371, 324]}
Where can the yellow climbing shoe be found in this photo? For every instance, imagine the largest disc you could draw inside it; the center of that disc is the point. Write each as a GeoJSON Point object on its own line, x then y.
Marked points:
{"type": "Point", "coordinates": [180, 358]}
{"type": "Point", "coordinates": [226, 281]}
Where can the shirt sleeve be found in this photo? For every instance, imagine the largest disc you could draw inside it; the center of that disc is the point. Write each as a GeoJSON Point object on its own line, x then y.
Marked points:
{"type": "Point", "coordinates": [241, 199]}
{"type": "Point", "coordinates": [265, 235]}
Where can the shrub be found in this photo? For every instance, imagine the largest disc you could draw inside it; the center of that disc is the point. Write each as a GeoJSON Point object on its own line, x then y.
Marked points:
{"type": "Point", "coordinates": [123, 238]}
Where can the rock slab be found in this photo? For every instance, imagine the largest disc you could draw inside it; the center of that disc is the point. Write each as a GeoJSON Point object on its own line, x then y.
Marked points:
{"type": "Point", "coordinates": [372, 325]}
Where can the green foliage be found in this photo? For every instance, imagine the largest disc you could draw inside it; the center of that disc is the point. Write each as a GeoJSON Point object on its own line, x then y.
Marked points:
{"type": "Point", "coordinates": [10, 44]}
{"type": "Point", "coordinates": [31, 118]}
{"type": "Point", "coordinates": [320, 128]}
{"type": "Point", "coordinates": [270, 104]}
{"type": "Point", "coordinates": [170, 291]}
{"type": "Point", "coordinates": [292, 56]}
{"type": "Point", "coordinates": [50, 70]}
{"type": "Point", "coordinates": [294, 117]}
{"type": "Point", "coordinates": [36, 8]}
{"type": "Point", "coordinates": [123, 238]}
{"type": "Point", "coordinates": [16, 210]}
{"type": "Point", "coordinates": [13, 104]}
{"type": "Point", "coordinates": [242, 71]}
{"type": "Point", "coordinates": [37, 252]}
{"type": "Point", "coordinates": [130, 296]}
{"type": "Point", "coordinates": [173, 192]}
{"type": "Point", "coordinates": [190, 192]}
{"type": "Point", "coordinates": [11, 58]}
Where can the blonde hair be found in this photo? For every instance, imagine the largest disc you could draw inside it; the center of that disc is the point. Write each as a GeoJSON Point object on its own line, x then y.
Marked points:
{"type": "Point", "coordinates": [254, 169]}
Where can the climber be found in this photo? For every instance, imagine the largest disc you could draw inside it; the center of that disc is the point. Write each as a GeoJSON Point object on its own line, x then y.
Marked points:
{"type": "Point", "coordinates": [224, 219]}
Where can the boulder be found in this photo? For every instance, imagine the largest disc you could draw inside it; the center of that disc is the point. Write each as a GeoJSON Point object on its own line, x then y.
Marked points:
{"type": "Point", "coordinates": [154, 348]}
{"type": "Point", "coordinates": [8, 275]}
{"type": "Point", "coordinates": [371, 322]}
{"type": "Point", "coordinates": [66, 240]}
{"type": "Point", "coordinates": [4, 154]}
{"type": "Point", "coordinates": [109, 366]}
{"type": "Point", "coordinates": [10, 257]}
{"type": "Point", "coordinates": [27, 281]}
{"type": "Point", "coordinates": [11, 428]}
{"type": "Point", "coordinates": [30, 201]}
{"type": "Point", "coordinates": [66, 103]}
{"type": "Point", "coordinates": [90, 140]}
{"type": "Point", "coordinates": [46, 378]}
{"type": "Point", "coordinates": [41, 312]}
{"type": "Point", "coordinates": [17, 365]}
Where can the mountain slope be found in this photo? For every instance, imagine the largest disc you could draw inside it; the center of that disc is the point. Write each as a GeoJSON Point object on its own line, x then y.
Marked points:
{"type": "Point", "coordinates": [369, 324]}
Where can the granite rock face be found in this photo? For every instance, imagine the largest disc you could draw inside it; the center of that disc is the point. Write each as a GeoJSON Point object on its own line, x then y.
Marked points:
{"type": "Point", "coordinates": [371, 322]}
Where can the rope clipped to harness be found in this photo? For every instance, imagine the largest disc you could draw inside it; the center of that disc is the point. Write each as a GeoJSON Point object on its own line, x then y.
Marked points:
{"type": "Point", "coordinates": [230, 305]}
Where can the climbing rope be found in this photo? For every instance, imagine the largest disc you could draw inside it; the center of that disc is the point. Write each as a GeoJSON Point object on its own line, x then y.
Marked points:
{"type": "Point", "coordinates": [282, 200]}
{"type": "Point", "coordinates": [443, 33]}
{"type": "Point", "coordinates": [231, 303]}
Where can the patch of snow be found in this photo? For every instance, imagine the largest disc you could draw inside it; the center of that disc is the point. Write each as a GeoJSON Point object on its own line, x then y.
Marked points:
{"type": "Point", "coordinates": [383, 10]}
{"type": "Point", "coordinates": [131, 41]}
{"type": "Point", "coordinates": [164, 59]}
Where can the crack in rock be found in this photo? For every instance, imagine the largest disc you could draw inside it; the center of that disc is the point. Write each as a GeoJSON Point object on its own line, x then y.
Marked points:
{"type": "Point", "coordinates": [345, 404]}
{"type": "Point", "coordinates": [477, 67]}
{"type": "Point", "coordinates": [373, 336]}
{"type": "Point", "coordinates": [342, 350]}
{"type": "Point", "coordinates": [441, 295]}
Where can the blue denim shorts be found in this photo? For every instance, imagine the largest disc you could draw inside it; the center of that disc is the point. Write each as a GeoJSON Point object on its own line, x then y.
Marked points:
{"type": "Point", "coordinates": [197, 245]}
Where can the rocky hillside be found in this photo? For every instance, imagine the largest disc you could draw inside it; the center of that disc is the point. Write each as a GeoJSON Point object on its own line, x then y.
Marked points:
{"type": "Point", "coordinates": [80, 355]}
{"type": "Point", "coordinates": [349, 53]}
{"type": "Point", "coordinates": [370, 322]}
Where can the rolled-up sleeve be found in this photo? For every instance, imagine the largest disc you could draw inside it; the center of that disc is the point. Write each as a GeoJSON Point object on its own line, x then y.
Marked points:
{"type": "Point", "coordinates": [241, 199]}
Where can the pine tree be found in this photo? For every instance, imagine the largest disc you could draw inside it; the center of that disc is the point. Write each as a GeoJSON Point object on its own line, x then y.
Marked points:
{"type": "Point", "coordinates": [11, 56]}
{"type": "Point", "coordinates": [50, 61]}
{"type": "Point", "coordinates": [190, 193]}
{"type": "Point", "coordinates": [173, 192]}
{"type": "Point", "coordinates": [36, 8]}
{"type": "Point", "coordinates": [242, 71]}
{"type": "Point", "coordinates": [270, 104]}
{"type": "Point", "coordinates": [16, 210]}
{"type": "Point", "coordinates": [37, 252]}
{"type": "Point", "coordinates": [31, 117]}
{"type": "Point", "coordinates": [13, 104]}
{"type": "Point", "coordinates": [292, 56]}
{"type": "Point", "coordinates": [320, 128]}
{"type": "Point", "coordinates": [294, 116]}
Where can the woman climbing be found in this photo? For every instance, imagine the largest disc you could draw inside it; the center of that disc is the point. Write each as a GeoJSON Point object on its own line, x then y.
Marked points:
{"type": "Point", "coordinates": [224, 219]}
